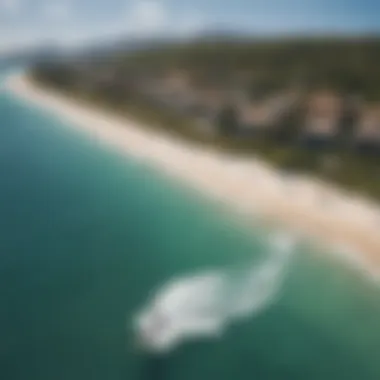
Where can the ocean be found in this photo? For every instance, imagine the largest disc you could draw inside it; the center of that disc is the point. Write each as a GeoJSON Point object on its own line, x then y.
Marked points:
{"type": "Point", "coordinates": [88, 238]}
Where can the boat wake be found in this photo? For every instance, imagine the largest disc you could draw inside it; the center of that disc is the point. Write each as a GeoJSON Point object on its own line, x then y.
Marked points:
{"type": "Point", "coordinates": [204, 304]}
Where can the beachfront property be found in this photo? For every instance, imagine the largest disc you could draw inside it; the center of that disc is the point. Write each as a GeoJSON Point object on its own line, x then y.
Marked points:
{"type": "Point", "coordinates": [212, 99]}
{"type": "Point", "coordinates": [205, 101]}
{"type": "Point", "coordinates": [173, 91]}
{"type": "Point", "coordinates": [241, 108]}
{"type": "Point", "coordinates": [367, 135]}
{"type": "Point", "coordinates": [323, 112]}
{"type": "Point", "coordinates": [257, 117]}
{"type": "Point", "coordinates": [179, 92]}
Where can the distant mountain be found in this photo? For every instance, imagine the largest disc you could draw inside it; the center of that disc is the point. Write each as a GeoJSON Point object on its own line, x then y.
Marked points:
{"type": "Point", "coordinates": [51, 52]}
{"type": "Point", "coordinates": [128, 44]}
{"type": "Point", "coordinates": [123, 45]}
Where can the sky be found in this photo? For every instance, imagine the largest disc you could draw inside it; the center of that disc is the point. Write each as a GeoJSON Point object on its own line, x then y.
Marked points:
{"type": "Point", "coordinates": [72, 23]}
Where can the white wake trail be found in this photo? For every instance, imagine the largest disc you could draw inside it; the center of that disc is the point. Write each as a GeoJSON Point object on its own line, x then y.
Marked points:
{"type": "Point", "coordinates": [205, 304]}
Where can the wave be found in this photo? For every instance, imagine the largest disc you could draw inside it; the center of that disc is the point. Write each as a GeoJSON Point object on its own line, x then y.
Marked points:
{"type": "Point", "coordinates": [204, 304]}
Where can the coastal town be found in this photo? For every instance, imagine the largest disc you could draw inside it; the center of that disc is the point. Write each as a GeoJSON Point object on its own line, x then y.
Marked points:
{"type": "Point", "coordinates": [257, 99]}
{"type": "Point", "coordinates": [314, 118]}
{"type": "Point", "coordinates": [320, 117]}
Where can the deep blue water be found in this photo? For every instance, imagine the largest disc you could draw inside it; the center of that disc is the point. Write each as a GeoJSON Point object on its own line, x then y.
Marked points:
{"type": "Point", "coordinates": [86, 234]}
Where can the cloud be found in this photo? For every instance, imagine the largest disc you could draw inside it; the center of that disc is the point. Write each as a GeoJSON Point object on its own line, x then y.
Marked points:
{"type": "Point", "coordinates": [10, 6]}
{"type": "Point", "coordinates": [57, 11]}
{"type": "Point", "coordinates": [154, 17]}
{"type": "Point", "coordinates": [146, 17]}
{"type": "Point", "coordinates": [141, 18]}
{"type": "Point", "coordinates": [191, 24]}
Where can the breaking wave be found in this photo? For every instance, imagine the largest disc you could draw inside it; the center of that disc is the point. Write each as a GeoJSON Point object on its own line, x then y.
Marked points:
{"type": "Point", "coordinates": [204, 304]}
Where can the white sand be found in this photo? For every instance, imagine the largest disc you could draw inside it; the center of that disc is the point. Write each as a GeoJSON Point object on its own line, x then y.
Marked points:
{"type": "Point", "coordinates": [249, 186]}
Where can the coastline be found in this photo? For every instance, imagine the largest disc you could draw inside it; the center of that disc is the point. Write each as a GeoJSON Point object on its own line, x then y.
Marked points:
{"type": "Point", "coordinates": [249, 186]}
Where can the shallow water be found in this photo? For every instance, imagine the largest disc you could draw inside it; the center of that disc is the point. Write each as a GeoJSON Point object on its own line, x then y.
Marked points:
{"type": "Point", "coordinates": [86, 236]}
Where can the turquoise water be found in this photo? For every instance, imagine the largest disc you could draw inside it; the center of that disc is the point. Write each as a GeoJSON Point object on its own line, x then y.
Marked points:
{"type": "Point", "coordinates": [86, 235]}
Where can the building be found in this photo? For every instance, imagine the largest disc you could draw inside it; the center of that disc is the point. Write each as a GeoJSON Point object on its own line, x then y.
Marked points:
{"type": "Point", "coordinates": [367, 134]}
{"type": "Point", "coordinates": [260, 116]}
{"type": "Point", "coordinates": [255, 117]}
{"type": "Point", "coordinates": [322, 117]}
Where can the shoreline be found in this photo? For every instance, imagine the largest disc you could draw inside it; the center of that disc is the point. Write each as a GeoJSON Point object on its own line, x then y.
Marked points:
{"type": "Point", "coordinates": [314, 208]}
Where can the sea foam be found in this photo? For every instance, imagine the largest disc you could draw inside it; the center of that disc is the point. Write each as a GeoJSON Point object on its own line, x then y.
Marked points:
{"type": "Point", "coordinates": [204, 304]}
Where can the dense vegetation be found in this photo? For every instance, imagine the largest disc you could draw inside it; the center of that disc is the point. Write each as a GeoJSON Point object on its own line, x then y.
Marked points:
{"type": "Point", "coordinates": [347, 66]}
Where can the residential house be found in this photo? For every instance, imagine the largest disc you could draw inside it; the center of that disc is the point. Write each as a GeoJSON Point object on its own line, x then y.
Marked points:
{"type": "Point", "coordinates": [352, 108]}
{"type": "Point", "coordinates": [175, 91]}
{"type": "Point", "coordinates": [264, 116]}
{"type": "Point", "coordinates": [285, 110]}
{"type": "Point", "coordinates": [323, 113]}
{"type": "Point", "coordinates": [254, 118]}
{"type": "Point", "coordinates": [367, 134]}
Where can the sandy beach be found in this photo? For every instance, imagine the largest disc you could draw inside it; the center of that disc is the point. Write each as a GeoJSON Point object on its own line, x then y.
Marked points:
{"type": "Point", "coordinates": [324, 213]}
